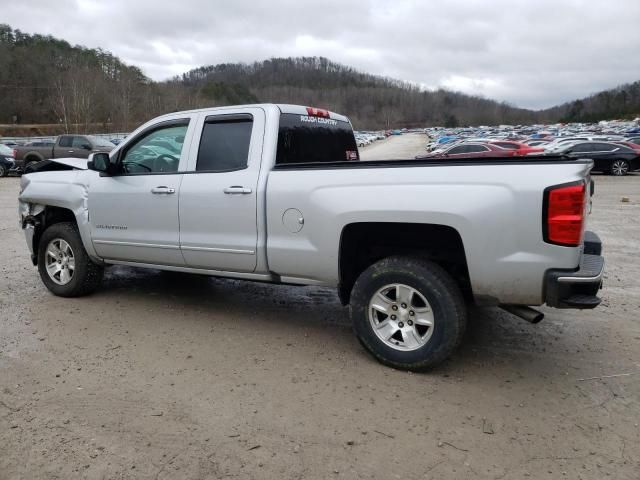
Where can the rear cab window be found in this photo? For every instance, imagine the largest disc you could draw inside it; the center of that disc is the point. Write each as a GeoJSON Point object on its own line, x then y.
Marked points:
{"type": "Point", "coordinates": [304, 139]}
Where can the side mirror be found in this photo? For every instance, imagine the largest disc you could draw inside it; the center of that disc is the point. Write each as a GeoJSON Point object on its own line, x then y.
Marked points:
{"type": "Point", "coordinates": [86, 146]}
{"type": "Point", "coordinates": [99, 162]}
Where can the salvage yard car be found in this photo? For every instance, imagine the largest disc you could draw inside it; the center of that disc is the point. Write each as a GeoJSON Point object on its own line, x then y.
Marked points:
{"type": "Point", "coordinates": [609, 157]}
{"type": "Point", "coordinates": [7, 160]}
{"type": "Point", "coordinates": [470, 150]}
{"type": "Point", "coordinates": [76, 146]}
{"type": "Point", "coordinates": [277, 193]}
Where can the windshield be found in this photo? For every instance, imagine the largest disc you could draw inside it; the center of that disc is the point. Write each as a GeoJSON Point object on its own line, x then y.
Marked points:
{"type": "Point", "coordinates": [100, 142]}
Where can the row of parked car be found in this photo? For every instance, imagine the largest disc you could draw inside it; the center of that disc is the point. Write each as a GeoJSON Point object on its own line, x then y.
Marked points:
{"type": "Point", "coordinates": [367, 138]}
{"type": "Point", "coordinates": [611, 153]}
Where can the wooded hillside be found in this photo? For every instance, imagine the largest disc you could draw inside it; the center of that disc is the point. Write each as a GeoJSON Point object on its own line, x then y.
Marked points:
{"type": "Point", "coordinates": [47, 80]}
{"type": "Point", "coordinates": [619, 102]}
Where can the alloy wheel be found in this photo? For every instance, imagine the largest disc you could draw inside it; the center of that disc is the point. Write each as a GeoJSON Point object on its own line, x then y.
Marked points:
{"type": "Point", "coordinates": [620, 167]}
{"type": "Point", "coordinates": [401, 317]}
{"type": "Point", "coordinates": [60, 261]}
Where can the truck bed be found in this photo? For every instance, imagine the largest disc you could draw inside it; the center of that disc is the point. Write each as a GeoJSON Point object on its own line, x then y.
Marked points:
{"type": "Point", "coordinates": [427, 162]}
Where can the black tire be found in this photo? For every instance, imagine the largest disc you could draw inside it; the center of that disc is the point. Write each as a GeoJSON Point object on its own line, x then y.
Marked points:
{"type": "Point", "coordinates": [438, 288]}
{"type": "Point", "coordinates": [87, 275]}
{"type": "Point", "coordinates": [29, 163]}
{"type": "Point", "coordinates": [3, 171]}
{"type": "Point", "coordinates": [620, 168]}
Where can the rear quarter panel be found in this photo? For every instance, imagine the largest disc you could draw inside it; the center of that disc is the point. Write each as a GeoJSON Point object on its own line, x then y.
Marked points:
{"type": "Point", "coordinates": [496, 209]}
{"type": "Point", "coordinates": [43, 153]}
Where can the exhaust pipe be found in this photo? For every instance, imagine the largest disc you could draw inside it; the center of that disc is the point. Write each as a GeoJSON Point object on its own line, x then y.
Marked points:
{"type": "Point", "coordinates": [524, 312]}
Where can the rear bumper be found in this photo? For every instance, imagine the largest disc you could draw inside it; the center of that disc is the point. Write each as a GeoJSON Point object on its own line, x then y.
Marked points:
{"type": "Point", "coordinates": [578, 288]}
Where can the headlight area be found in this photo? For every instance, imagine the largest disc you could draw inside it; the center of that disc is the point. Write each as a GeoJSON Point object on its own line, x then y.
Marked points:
{"type": "Point", "coordinates": [28, 213]}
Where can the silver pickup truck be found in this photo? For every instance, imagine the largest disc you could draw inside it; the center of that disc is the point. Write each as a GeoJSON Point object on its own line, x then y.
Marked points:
{"type": "Point", "coordinates": [278, 193]}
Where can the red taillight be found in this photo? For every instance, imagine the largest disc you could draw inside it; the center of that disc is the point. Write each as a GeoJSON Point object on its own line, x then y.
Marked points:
{"type": "Point", "coordinates": [565, 209]}
{"type": "Point", "coordinates": [15, 153]}
{"type": "Point", "coordinates": [317, 112]}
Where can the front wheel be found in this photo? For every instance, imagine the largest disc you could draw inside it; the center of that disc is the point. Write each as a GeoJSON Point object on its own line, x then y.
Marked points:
{"type": "Point", "coordinates": [3, 171]}
{"type": "Point", "coordinates": [63, 263]}
{"type": "Point", "coordinates": [408, 312]}
{"type": "Point", "coordinates": [619, 168]}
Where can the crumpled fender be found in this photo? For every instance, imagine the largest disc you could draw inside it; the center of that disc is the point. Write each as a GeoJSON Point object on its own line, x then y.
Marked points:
{"type": "Point", "coordinates": [67, 189]}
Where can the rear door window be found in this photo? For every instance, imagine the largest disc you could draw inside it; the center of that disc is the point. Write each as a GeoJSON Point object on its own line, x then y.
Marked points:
{"type": "Point", "coordinates": [476, 148]}
{"type": "Point", "coordinates": [625, 149]}
{"type": "Point", "coordinates": [582, 148]}
{"type": "Point", "coordinates": [603, 147]}
{"type": "Point", "coordinates": [80, 142]}
{"type": "Point", "coordinates": [66, 141]}
{"type": "Point", "coordinates": [458, 150]}
{"type": "Point", "coordinates": [307, 139]}
{"type": "Point", "coordinates": [224, 144]}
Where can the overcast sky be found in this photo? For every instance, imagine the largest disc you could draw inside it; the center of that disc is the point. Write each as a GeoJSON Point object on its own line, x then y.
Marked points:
{"type": "Point", "coordinates": [531, 53]}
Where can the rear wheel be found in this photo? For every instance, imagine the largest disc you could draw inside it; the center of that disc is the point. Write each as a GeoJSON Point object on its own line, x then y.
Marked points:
{"type": "Point", "coordinates": [408, 312]}
{"type": "Point", "coordinates": [63, 263]}
{"type": "Point", "coordinates": [619, 168]}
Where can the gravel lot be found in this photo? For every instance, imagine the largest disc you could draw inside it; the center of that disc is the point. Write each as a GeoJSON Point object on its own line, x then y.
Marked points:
{"type": "Point", "coordinates": [164, 376]}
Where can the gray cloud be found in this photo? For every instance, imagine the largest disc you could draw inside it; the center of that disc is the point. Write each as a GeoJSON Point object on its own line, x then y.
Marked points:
{"type": "Point", "coordinates": [531, 54]}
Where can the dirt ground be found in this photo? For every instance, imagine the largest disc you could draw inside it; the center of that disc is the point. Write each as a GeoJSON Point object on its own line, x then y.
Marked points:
{"type": "Point", "coordinates": [164, 376]}
{"type": "Point", "coordinates": [396, 147]}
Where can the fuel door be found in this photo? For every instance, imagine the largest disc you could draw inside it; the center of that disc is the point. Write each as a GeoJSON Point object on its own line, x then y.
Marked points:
{"type": "Point", "coordinates": [293, 220]}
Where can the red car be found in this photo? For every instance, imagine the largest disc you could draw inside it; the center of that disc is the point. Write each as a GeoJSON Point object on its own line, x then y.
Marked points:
{"type": "Point", "coordinates": [471, 150]}
{"type": "Point", "coordinates": [518, 148]}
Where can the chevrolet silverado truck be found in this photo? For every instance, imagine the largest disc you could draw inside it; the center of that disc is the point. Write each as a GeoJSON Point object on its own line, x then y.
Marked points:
{"type": "Point", "coordinates": [278, 193]}
{"type": "Point", "coordinates": [65, 146]}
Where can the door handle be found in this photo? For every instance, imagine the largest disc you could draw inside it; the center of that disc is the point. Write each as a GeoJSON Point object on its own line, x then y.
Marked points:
{"type": "Point", "coordinates": [70, 151]}
{"type": "Point", "coordinates": [236, 189]}
{"type": "Point", "coordinates": [162, 190]}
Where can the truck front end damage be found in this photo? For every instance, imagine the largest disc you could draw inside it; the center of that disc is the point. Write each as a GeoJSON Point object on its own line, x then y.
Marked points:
{"type": "Point", "coordinates": [29, 219]}
{"type": "Point", "coordinates": [50, 197]}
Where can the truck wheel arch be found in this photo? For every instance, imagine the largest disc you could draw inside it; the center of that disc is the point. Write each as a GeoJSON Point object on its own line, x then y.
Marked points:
{"type": "Point", "coordinates": [49, 216]}
{"type": "Point", "coordinates": [363, 244]}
